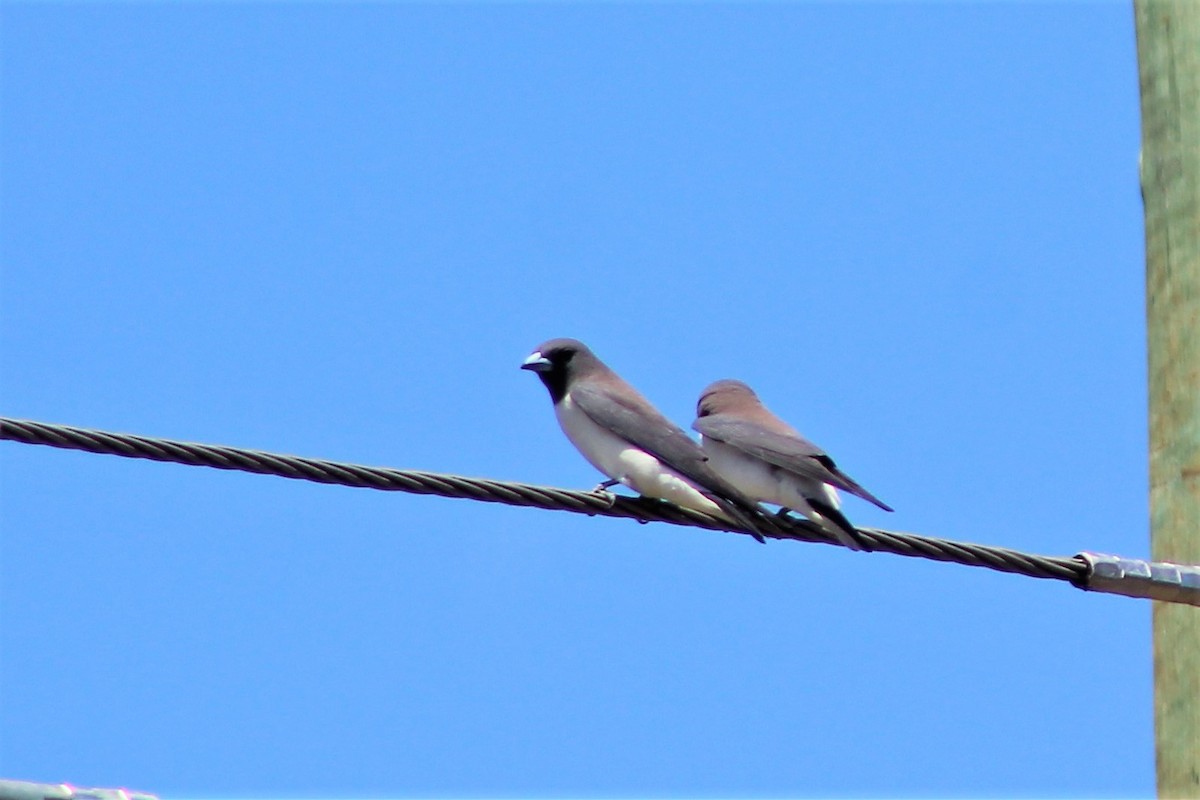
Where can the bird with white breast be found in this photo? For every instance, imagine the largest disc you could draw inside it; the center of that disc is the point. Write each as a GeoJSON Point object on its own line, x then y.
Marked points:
{"type": "Point", "coordinates": [625, 437]}
{"type": "Point", "coordinates": [769, 461]}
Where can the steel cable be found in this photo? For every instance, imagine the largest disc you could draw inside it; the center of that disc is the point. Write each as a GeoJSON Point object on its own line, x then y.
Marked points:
{"type": "Point", "coordinates": [1071, 569]}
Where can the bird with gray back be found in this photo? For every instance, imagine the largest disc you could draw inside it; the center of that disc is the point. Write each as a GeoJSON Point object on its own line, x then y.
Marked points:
{"type": "Point", "coordinates": [621, 434]}
{"type": "Point", "coordinates": [770, 461]}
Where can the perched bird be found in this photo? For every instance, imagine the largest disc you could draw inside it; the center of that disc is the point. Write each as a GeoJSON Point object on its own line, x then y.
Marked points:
{"type": "Point", "coordinates": [626, 438]}
{"type": "Point", "coordinates": [770, 461]}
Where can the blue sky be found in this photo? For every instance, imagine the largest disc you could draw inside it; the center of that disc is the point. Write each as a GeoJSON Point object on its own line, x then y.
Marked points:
{"type": "Point", "coordinates": [336, 231]}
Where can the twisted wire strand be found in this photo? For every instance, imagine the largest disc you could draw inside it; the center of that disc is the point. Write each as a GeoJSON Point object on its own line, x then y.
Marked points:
{"type": "Point", "coordinates": [1073, 570]}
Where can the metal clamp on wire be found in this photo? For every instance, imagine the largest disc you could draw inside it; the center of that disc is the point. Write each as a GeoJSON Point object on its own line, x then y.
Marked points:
{"type": "Point", "coordinates": [1133, 577]}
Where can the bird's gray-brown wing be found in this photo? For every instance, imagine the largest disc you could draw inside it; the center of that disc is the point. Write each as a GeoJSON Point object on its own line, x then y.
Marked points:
{"type": "Point", "coordinates": [640, 424]}
{"type": "Point", "coordinates": [789, 451]}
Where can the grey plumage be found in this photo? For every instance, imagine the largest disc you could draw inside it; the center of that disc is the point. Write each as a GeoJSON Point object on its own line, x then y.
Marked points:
{"type": "Point", "coordinates": [770, 461]}
{"type": "Point", "coordinates": [621, 434]}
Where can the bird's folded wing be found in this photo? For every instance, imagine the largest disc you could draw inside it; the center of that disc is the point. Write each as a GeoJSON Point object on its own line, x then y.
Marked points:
{"type": "Point", "coordinates": [642, 425]}
{"type": "Point", "coordinates": [789, 451]}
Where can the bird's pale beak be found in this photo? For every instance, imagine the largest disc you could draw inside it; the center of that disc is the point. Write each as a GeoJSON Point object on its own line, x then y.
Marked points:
{"type": "Point", "coordinates": [537, 362]}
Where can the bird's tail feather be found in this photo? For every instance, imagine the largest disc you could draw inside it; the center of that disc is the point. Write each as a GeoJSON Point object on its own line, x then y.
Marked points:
{"type": "Point", "coordinates": [855, 489]}
{"type": "Point", "coordinates": [748, 517]}
{"type": "Point", "coordinates": [839, 526]}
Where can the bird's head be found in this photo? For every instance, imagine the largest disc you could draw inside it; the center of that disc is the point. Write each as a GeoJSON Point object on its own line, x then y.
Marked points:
{"type": "Point", "coordinates": [725, 395]}
{"type": "Point", "coordinates": [557, 362]}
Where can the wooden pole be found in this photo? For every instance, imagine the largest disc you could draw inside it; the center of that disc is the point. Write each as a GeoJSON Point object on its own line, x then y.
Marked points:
{"type": "Point", "coordinates": [1168, 44]}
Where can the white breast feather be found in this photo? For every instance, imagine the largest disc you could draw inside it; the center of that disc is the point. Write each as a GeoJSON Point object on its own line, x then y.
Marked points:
{"type": "Point", "coordinates": [624, 462]}
{"type": "Point", "coordinates": [759, 480]}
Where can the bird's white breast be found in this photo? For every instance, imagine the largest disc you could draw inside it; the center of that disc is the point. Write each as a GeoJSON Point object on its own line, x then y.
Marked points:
{"type": "Point", "coordinates": [763, 481]}
{"type": "Point", "coordinates": [627, 463]}
{"type": "Point", "coordinates": [605, 450]}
